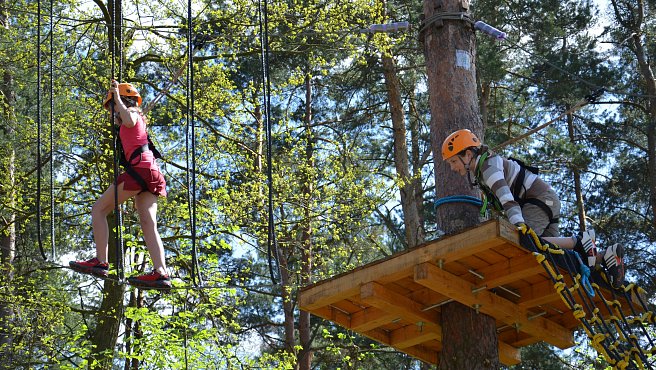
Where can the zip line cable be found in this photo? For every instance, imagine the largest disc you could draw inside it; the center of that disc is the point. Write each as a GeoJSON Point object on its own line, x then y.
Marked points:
{"type": "Point", "coordinates": [38, 132]}
{"type": "Point", "coordinates": [272, 245]}
{"type": "Point", "coordinates": [191, 135]}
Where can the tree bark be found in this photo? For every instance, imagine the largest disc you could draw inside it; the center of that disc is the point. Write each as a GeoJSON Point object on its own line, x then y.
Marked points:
{"type": "Point", "coordinates": [287, 304]}
{"type": "Point", "coordinates": [414, 230]}
{"type": "Point", "coordinates": [633, 24]}
{"type": "Point", "coordinates": [576, 173]}
{"type": "Point", "coordinates": [467, 346]}
{"type": "Point", "coordinates": [450, 53]}
{"type": "Point", "coordinates": [468, 338]}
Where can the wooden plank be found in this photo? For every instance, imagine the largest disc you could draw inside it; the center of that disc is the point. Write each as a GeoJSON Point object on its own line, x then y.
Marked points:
{"type": "Point", "coordinates": [499, 308]}
{"type": "Point", "coordinates": [378, 296]}
{"type": "Point", "coordinates": [334, 315]}
{"type": "Point", "coordinates": [509, 355]}
{"type": "Point", "coordinates": [451, 248]}
{"type": "Point", "coordinates": [510, 270]}
{"type": "Point", "coordinates": [412, 335]}
{"type": "Point", "coordinates": [418, 352]}
{"type": "Point", "coordinates": [369, 319]}
{"type": "Point", "coordinates": [538, 294]}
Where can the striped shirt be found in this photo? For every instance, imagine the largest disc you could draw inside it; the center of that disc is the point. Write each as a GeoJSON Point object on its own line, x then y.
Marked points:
{"type": "Point", "coordinates": [499, 175]}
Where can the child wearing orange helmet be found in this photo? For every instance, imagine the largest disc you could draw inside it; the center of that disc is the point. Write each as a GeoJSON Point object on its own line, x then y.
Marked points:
{"type": "Point", "coordinates": [524, 198]}
{"type": "Point", "coordinates": [142, 180]}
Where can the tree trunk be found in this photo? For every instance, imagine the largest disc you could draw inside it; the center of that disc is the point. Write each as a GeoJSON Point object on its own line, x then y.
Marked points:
{"type": "Point", "coordinates": [8, 196]}
{"type": "Point", "coordinates": [632, 21]}
{"type": "Point", "coordinates": [418, 162]}
{"type": "Point", "coordinates": [467, 347]}
{"type": "Point", "coordinates": [450, 51]}
{"type": "Point", "coordinates": [576, 173]}
{"type": "Point", "coordinates": [650, 84]}
{"type": "Point", "coordinates": [414, 231]}
{"type": "Point", "coordinates": [287, 303]}
{"type": "Point", "coordinates": [109, 316]}
{"type": "Point", "coordinates": [486, 93]}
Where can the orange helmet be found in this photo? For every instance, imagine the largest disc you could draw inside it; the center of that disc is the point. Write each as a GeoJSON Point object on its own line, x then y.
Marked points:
{"type": "Point", "coordinates": [457, 142]}
{"type": "Point", "coordinates": [124, 89]}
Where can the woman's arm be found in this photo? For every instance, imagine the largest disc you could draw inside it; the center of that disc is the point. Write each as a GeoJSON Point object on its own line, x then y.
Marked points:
{"type": "Point", "coordinates": [128, 117]}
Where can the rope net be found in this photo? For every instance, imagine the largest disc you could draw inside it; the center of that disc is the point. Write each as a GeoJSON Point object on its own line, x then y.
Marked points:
{"type": "Point", "coordinates": [620, 334]}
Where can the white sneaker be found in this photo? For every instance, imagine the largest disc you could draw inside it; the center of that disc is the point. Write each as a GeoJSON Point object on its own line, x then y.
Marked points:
{"type": "Point", "coordinates": [614, 261]}
{"type": "Point", "coordinates": [589, 246]}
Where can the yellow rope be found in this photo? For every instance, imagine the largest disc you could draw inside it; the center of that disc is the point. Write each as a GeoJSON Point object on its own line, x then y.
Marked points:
{"type": "Point", "coordinates": [633, 355]}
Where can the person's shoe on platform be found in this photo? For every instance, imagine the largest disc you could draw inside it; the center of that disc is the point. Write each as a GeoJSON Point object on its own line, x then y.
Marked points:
{"type": "Point", "coordinates": [92, 266]}
{"type": "Point", "coordinates": [153, 280]}
{"type": "Point", "coordinates": [587, 247]}
{"type": "Point", "coordinates": [614, 261]}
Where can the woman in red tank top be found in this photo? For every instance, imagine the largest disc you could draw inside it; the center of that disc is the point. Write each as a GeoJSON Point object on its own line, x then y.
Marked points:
{"type": "Point", "coordinates": [143, 181]}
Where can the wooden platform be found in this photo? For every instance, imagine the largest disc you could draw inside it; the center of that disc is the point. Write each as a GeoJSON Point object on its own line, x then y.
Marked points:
{"type": "Point", "coordinates": [396, 301]}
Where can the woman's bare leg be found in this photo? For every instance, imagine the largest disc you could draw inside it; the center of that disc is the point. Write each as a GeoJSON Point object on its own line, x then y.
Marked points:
{"type": "Point", "coordinates": [147, 207]}
{"type": "Point", "coordinates": [103, 206]}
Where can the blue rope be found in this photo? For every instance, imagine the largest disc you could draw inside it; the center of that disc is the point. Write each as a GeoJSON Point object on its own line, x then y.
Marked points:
{"type": "Point", "coordinates": [459, 199]}
{"type": "Point", "coordinates": [585, 275]}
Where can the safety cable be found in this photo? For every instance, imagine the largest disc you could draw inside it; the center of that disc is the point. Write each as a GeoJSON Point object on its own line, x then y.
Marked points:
{"type": "Point", "coordinates": [272, 245]}
{"type": "Point", "coordinates": [467, 199]}
{"type": "Point", "coordinates": [52, 135]}
{"type": "Point", "coordinates": [191, 136]}
{"type": "Point", "coordinates": [118, 239]}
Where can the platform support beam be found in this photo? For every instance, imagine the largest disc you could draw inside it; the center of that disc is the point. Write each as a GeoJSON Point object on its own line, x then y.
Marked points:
{"type": "Point", "coordinates": [488, 303]}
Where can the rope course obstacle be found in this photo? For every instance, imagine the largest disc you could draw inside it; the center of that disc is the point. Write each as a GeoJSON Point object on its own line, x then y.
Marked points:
{"type": "Point", "coordinates": [491, 268]}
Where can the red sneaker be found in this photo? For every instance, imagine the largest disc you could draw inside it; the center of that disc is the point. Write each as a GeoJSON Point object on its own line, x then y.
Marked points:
{"type": "Point", "coordinates": [92, 266]}
{"type": "Point", "coordinates": [153, 280]}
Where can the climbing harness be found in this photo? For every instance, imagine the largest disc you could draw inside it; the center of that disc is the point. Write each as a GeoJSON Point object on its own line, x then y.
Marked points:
{"type": "Point", "coordinates": [519, 185]}
{"type": "Point", "coordinates": [127, 164]}
{"type": "Point", "coordinates": [612, 334]}
{"type": "Point", "coordinates": [516, 189]}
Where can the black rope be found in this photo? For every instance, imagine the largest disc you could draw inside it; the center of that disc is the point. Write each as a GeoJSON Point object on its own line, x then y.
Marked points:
{"type": "Point", "coordinates": [191, 137]}
{"type": "Point", "coordinates": [266, 84]}
{"type": "Point", "coordinates": [184, 330]}
{"type": "Point", "coordinates": [38, 131]}
{"type": "Point", "coordinates": [118, 239]}
{"type": "Point", "coordinates": [52, 135]}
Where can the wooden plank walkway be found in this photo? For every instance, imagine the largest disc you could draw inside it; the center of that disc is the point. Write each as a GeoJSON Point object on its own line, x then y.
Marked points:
{"type": "Point", "coordinates": [396, 301]}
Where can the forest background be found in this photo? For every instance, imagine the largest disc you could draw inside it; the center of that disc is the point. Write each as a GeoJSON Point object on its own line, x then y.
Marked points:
{"type": "Point", "coordinates": [351, 166]}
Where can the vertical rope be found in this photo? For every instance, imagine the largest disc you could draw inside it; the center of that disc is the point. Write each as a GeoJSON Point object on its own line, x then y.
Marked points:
{"type": "Point", "coordinates": [266, 83]}
{"type": "Point", "coordinates": [52, 136]}
{"type": "Point", "coordinates": [191, 137]}
{"type": "Point", "coordinates": [118, 240]}
{"type": "Point", "coordinates": [184, 329]}
{"type": "Point", "coordinates": [38, 130]}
